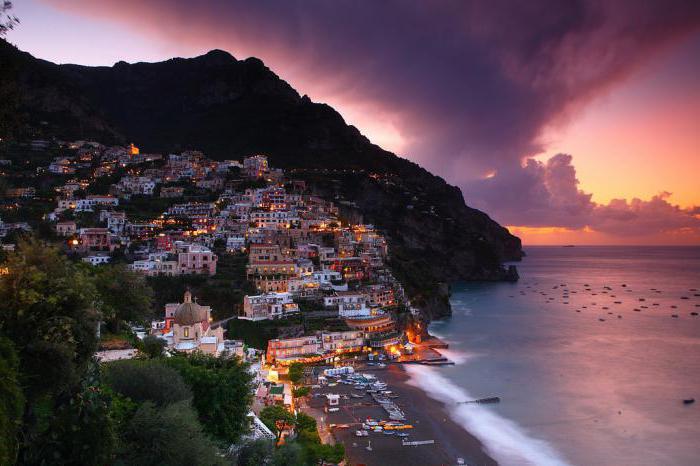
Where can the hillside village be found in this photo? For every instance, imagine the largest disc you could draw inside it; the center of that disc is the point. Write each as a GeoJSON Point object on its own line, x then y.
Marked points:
{"type": "Point", "coordinates": [183, 214]}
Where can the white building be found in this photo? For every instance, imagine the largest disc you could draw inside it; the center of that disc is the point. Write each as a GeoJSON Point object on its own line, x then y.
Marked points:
{"type": "Point", "coordinates": [235, 243]}
{"type": "Point", "coordinates": [349, 303]}
{"type": "Point", "coordinates": [268, 306]}
{"type": "Point", "coordinates": [96, 260]}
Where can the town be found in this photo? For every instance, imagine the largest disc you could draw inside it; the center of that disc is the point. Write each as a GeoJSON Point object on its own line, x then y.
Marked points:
{"type": "Point", "coordinates": [317, 293]}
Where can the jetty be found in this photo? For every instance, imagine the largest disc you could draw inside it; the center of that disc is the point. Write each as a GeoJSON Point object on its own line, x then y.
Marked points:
{"type": "Point", "coordinates": [489, 400]}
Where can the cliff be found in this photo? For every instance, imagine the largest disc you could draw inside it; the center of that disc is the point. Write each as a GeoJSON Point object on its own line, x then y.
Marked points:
{"type": "Point", "coordinates": [232, 108]}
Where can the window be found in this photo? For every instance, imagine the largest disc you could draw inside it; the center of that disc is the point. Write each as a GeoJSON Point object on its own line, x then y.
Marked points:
{"type": "Point", "coordinates": [186, 332]}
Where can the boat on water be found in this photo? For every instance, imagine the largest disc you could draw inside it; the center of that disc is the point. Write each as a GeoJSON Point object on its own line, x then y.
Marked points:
{"type": "Point", "coordinates": [689, 401]}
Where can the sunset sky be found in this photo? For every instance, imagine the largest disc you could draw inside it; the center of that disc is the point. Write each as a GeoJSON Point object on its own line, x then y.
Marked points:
{"type": "Point", "coordinates": [570, 122]}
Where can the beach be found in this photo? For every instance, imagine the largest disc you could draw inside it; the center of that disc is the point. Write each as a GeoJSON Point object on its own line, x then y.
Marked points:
{"type": "Point", "coordinates": [430, 420]}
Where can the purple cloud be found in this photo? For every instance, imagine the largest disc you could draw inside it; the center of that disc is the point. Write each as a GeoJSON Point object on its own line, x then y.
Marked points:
{"type": "Point", "coordinates": [469, 84]}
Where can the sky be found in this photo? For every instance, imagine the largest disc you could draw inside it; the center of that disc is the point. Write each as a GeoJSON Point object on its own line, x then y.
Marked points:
{"type": "Point", "coordinates": [569, 122]}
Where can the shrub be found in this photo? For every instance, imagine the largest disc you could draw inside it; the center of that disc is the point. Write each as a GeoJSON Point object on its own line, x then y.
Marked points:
{"type": "Point", "coordinates": [170, 435]}
{"type": "Point", "coordinates": [222, 392]}
{"type": "Point", "coordinates": [153, 346]}
{"type": "Point", "coordinates": [146, 381]}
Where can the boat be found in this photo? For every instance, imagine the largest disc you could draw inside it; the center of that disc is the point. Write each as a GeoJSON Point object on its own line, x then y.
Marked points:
{"type": "Point", "coordinates": [689, 401]}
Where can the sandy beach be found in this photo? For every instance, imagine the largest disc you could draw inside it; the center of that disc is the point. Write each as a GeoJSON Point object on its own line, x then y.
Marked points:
{"type": "Point", "coordinates": [429, 418]}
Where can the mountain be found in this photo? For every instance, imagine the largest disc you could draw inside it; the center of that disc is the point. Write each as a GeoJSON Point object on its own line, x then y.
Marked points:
{"type": "Point", "coordinates": [232, 108]}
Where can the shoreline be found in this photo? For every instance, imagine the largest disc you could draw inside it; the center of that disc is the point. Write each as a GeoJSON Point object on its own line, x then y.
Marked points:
{"type": "Point", "coordinates": [430, 418]}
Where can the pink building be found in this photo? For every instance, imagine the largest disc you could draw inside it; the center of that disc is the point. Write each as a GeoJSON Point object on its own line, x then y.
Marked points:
{"type": "Point", "coordinates": [195, 259]}
{"type": "Point", "coordinates": [95, 239]}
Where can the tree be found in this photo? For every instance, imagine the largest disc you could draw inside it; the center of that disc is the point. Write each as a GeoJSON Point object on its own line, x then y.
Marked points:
{"type": "Point", "coordinates": [48, 309]}
{"type": "Point", "coordinates": [277, 418]}
{"type": "Point", "coordinates": [289, 454]}
{"type": "Point", "coordinates": [167, 436]}
{"type": "Point", "coordinates": [222, 392]}
{"type": "Point", "coordinates": [254, 453]}
{"type": "Point", "coordinates": [80, 431]}
{"type": "Point", "coordinates": [146, 381]}
{"type": "Point", "coordinates": [296, 372]}
{"type": "Point", "coordinates": [305, 422]}
{"type": "Point", "coordinates": [153, 346]}
{"type": "Point", "coordinates": [301, 392]}
{"type": "Point", "coordinates": [7, 20]}
{"type": "Point", "coordinates": [124, 295]}
{"type": "Point", "coordinates": [11, 402]}
{"type": "Point", "coordinates": [326, 453]}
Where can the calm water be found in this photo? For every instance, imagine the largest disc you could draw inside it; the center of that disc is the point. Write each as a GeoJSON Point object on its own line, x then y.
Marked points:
{"type": "Point", "coordinates": [575, 389]}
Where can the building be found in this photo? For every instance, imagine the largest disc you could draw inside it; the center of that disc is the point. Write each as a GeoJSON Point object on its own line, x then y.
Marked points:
{"type": "Point", "coordinates": [25, 193]}
{"type": "Point", "coordinates": [142, 185]}
{"type": "Point", "coordinates": [157, 264]}
{"type": "Point", "coordinates": [270, 218]}
{"type": "Point", "coordinates": [95, 239]}
{"type": "Point", "coordinates": [195, 259]}
{"type": "Point", "coordinates": [132, 149]}
{"type": "Point", "coordinates": [288, 350]}
{"type": "Point", "coordinates": [255, 166]}
{"type": "Point", "coordinates": [67, 228]}
{"type": "Point", "coordinates": [192, 331]}
{"type": "Point", "coordinates": [172, 191]}
{"type": "Point", "coordinates": [90, 202]}
{"type": "Point", "coordinates": [313, 348]}
{"type": "Point", "coordinates": [342, 342]}
{"type": "Point", "coordinates": [268, 306]}
{"type": "Point", "coordinates": [235, 243]}
{"type": "Point", "coordinates": [96, 260]}
{"type": "Point", "coordinates": [116, 221]}
{"type": "Point", "coordinates": [348, 303]}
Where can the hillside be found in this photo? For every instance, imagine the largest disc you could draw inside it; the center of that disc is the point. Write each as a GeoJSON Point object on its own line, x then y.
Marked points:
{"type": "Point", "coordinates": [232, 108]}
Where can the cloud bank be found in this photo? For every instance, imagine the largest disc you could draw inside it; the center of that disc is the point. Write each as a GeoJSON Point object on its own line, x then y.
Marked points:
{"type": "Point", "coordinates": [469, 86]}
{"type": "Point", "coordinates": [544, 194]}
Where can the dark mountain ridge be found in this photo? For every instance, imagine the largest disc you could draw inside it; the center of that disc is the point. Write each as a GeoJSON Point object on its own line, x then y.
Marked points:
{"type": "Point", "coordinates": [232, 108]}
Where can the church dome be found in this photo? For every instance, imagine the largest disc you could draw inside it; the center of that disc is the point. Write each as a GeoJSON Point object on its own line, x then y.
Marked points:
{"type": "Point", "coordinates": [190, 313]}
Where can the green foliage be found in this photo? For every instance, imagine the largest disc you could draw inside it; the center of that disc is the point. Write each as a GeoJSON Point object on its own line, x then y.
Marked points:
{"type": "Point", "coordinates": [146, 381]}
{"type": "Point", "coordinates": [48, 312]}
{"type": "Point", "coordinates": [153, 346]}
{"type": "Point", "coordinates": [124, 295]}
{"type": "Point", "coordinates": [11, 402]}
{"type": "Point", "coordinates": [305, 422]}
{"type": "Point", "coordinates": [169, 436]}
{"type": "Point", "coordinates": [255, 453]}
{"type": "Point", "coordinates": [222, 392]}
{"type": "Point", "coordinates": [80, 431]}
{"type": "Point", "coordinates": [290, 454]}
{"type": "Point", "coordinates": [271, 415]}
{"type": "Point", "coordinates": [325, 453]}
{"type": "Point", "coordinates": [296, 372]}
{"type": "Point", "coordinates": [222, 294]}
{"type": "Point", "coordinates": [301, 391]}
{"type": "Point", "coordinates": [254, 334]}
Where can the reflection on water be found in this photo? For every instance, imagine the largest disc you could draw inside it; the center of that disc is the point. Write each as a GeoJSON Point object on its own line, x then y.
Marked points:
{"type": "Point", "coordinates": [592, 351]}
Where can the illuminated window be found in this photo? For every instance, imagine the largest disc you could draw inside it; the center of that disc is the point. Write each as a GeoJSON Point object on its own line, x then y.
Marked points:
{"type": "Point", "coordinates": [186, 332]}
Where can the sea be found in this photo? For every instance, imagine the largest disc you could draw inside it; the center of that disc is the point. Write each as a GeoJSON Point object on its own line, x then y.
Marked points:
{"type": "Point", "coordinates": [592, 353]}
